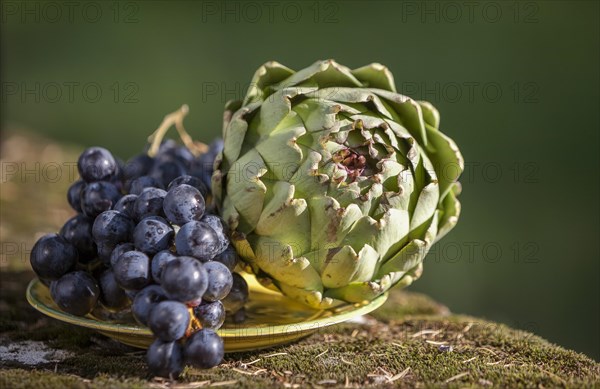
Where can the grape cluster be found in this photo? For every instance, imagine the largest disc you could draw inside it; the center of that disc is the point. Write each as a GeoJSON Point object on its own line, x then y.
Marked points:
{"type": "Point", "coordinates": [144, 238]}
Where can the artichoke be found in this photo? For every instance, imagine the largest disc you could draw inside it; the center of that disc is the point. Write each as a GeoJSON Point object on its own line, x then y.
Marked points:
{"type": "Point", "coordinates": [334, 185]}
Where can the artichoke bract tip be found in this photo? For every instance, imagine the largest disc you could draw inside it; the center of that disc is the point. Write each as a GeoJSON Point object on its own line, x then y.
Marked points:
{"type": "Point", "coordinates": [334, 185]}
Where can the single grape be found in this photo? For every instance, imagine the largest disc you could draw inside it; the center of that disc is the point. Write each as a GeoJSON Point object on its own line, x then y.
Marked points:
{"type": "Point", "coordinates": [229, 257]}
{"type": "Point", "coordinates": [138, 166]}
{"type": "Point", "coordinates": [210, 314]}
{"type": "Point", "coordinates": [204, 349]}
{"type": "Point", "coordinates": [153, 234]}
{"type": "Point", "coordinates": [118, 250]}
{"type": "Point", "coordinates": [145, 300]}
{"type": "Point", "coordinates": [139, 184]}
{"type": "Point", "coordinates": [125, 205]}
{"type": "Point", "coordinates": [105, 251]}
{"type": "Point", "coordinates": [220, 228]}
{"type": "Point", "coordinates": [78, 231]}
{"type": "Point", "coordinates": [112, 227]}
{"type": "Point", "coordinates": [165, 359]}
{"type": "Point", "coordinates": [74, 195]}
{"type": "Point", "coordinates": [75, 293]}
{"type": "Point", "coordinates": [112, 295]}
{"type": "Point", "coordinates": [171, 150]}
{"type": "Point", "coordinates": [169, 320]}
{"type": "Point", "coordinates": [52, 256]}
{"type": "Point", "coordinates": [132, 270]}
{"type": "Point", "coordinates": [191, 181]}
{"type": "Point", "coordinates": [149, 203]}
{"type": "Point", "coordinates": [166, 170]}
{"type": "Point", "coordinates": [98, 197]}
{"type": "Point", "coordinates": [183, 203]}
{"type": "Point", "coordinates": [96, 164]}
{"type": "Point", "coordinates": [158, 262]}
{"type": "Point", "coordinates": [238, 295]}
{"type": "Point", "coordinates": [220, 281]}
{"type": "Point", "coordinates": [184, 279]}
{"type": "Point", "coordinates": [197, 239]}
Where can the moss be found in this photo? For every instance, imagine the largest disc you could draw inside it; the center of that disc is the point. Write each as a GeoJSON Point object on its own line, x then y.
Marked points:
{"type": "Point", "coordinates": [398, 346]}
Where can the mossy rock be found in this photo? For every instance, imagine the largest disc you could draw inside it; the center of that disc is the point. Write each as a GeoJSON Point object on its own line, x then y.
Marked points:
{"type": "Point", "coordinates": [411, 341]}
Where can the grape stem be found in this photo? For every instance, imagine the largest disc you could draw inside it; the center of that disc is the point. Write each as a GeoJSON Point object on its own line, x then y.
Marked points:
{"type": "Point", "coordinates": [194, 325]}
{"type": "Point", "coordinates": [175, 118]}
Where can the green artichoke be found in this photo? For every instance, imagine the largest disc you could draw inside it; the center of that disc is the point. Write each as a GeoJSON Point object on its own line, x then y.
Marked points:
{"type": "Point", "coordinates": [334, 185]}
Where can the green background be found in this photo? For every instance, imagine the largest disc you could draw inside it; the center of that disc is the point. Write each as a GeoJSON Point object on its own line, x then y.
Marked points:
{"type": "Point", "coordinates": [517, 85]}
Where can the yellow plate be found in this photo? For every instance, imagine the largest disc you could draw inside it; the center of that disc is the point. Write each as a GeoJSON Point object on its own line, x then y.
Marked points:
{"type": "Point", "coordinates": [271, 319]}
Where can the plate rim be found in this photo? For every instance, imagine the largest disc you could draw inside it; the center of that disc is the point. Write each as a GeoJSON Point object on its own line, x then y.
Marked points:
{"type": "Point", "coordinates": [323, 318]}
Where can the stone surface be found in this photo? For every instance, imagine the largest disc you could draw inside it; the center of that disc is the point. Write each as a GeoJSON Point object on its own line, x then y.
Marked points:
{"type": "Point", "coordinates": [411, 341]}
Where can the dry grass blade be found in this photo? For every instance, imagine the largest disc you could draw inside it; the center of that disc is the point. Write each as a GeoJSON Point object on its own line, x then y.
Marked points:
{"type": "Point", "coordinates": [400, 375]}
{"type": "Point", "coordinates": [453, 378]}
{"type": "Point", "coordinates": [425, 332]}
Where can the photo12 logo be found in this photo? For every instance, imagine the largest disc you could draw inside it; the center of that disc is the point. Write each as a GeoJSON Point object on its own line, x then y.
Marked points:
{"type": "Point", "coordinates": [270, 11]}
{"type": "Point", "coordinates": [69, 12]}
{"type": "Point", "coordinates": [69, 92]}
{"type": "Point", "coordinates": [470, 12]}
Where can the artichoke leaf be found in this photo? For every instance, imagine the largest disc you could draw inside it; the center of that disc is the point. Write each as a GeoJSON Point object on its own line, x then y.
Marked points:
{"type": "Point", "coordinates": [345, 266]}
{"type": "Point", "coordinates": [279, 150]}
{"type": "Point", "coordinates": [446, 159]}
{"type": "Point", "coordinates": [268, 74]}
{"type": "Point", "coordinates": [321, 73]}
{"type": "Point", "coordinates": [407, 258]}
{"type": "Point", "coordinates": [312, 298]}
{"type": "Point", "coordinates": [375, 75]}
{"type": "Point", "coordinates": [245, 189]}
{"type": "Point", "coordinates": [277, 259]}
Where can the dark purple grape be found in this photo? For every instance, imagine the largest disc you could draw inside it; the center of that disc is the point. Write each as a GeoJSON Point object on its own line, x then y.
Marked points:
{"type": "Point", "coordinates": [119, 250]}
{"type": "Point", "coordinates": [145, 300]}
{"type": "Point", "coordinates": [74, 195]}
{"type": "Point", "coordinates": [197, 239]}
{"type": "Point", "coordinates": [96, 164]}
{"type": "Point", "coordinates": [105, 251]}
{"type": "Point", "coordinates": [132, 270]}
{"type": "Point", "coordinates": [153, 234]}
{"type": "Point", "coordinates": [78, 231]}
{"type": "Point", "coordinates": [112, 227]}
{"type": "Point", "coordinates": [183, 204]}
{"type": "Point", "coordinates": [220, 228]}
{"type": "Point", "coordinates": [229, 257]}
{"type": "Point", "coordinates": [204, 349]}
{"type": "Point", "coordinates": [139, 184]}
{"type": "Point", "coordinates": [167, 170]}
{"type": "Point", "coordinates": [171, 150]}
{"type": "Point", "coordinates": [220, 281]}
{"type": "Point", "coordinates": [210, 314]}
{"type": "Point", "coordinates": [138, 166]}
{"type": "Point", "coordinates": [112, 296]}
{"type": "Point", "coordinates": [191, 181]}
{"type": "Point", "coordinates": [165, 359]}
{"type": "Point", "coordinates": [158, 262]}
{"type": "Point", "coordinates": [98, 197]}
{"type": "Point", "coordinates": [169, 320]}
{"type": "Point", "coordinates": [149, 203]}
{"type": "Point", "coordinates": [238, 295]}
{"type": "Point", "coordinates": [52, 256]}
{"type": "Point", "coordinates": [75, 293]}
{"type": "Point", "coordinates": [184, 279]}
{"type": "Point", "coordinates": [125, 205]}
